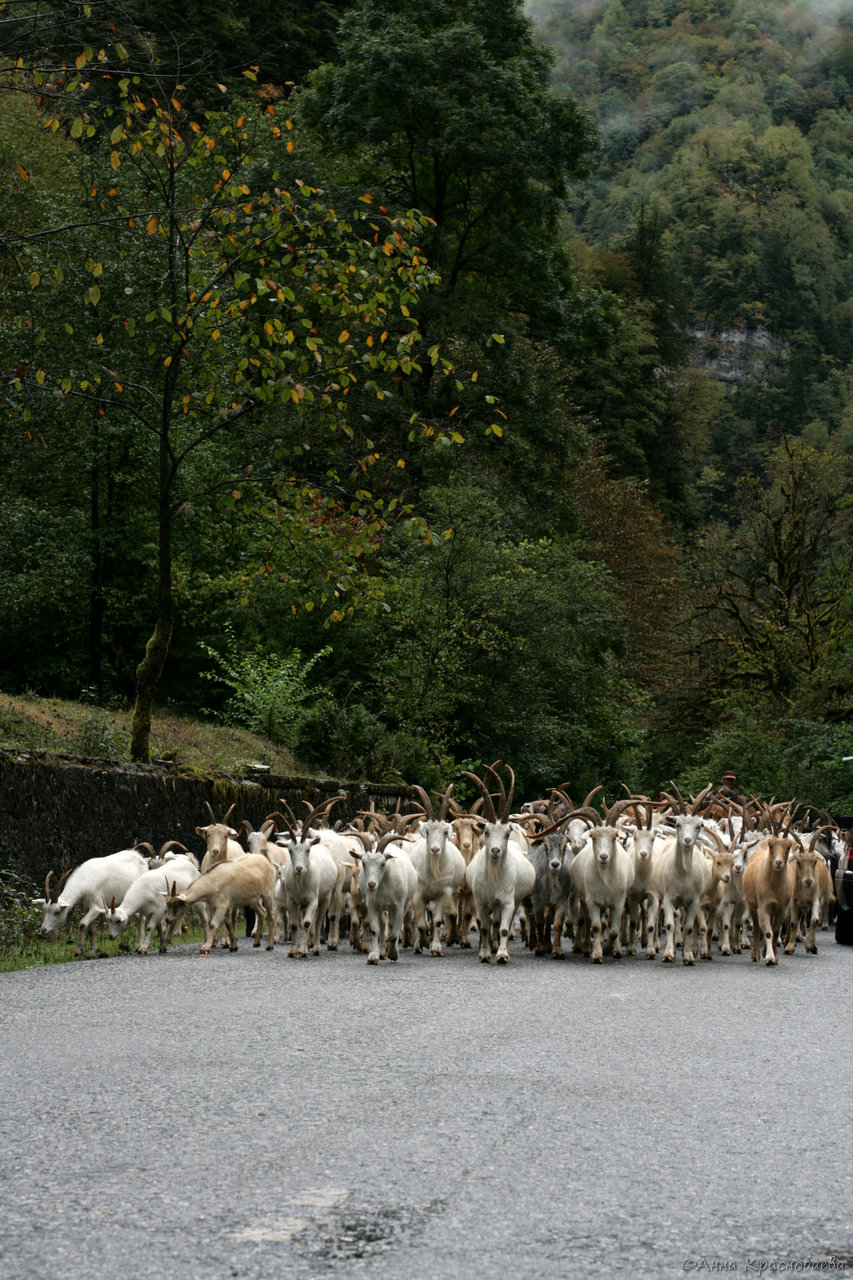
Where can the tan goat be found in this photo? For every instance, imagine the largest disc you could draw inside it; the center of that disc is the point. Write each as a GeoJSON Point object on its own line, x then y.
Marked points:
{"type": "Point", "coordinates": [768, 886]}
{"type": "Point", "coordinates": [247, 882]}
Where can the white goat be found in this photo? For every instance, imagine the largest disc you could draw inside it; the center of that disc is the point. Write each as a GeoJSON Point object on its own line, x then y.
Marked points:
{"type": "Point", "coordinates": [681, 877]}
{"type": "Point", "coordinates": [644, 844]}
{"type": "Point", "coordinates": [387, 883]}
{"type": "Point", "coordinates": [602, 874]}
{"type": "Point", "coordinates": [500, 875]}
{"type": "Point", "coordinates": [146, 898]}
{"type": "Point", "coordinates": [308, 878]}
{"type": "Point", "coordinates": [96, 880]}
{"type": "Point", "coordinates": [298, 890]}
{"type": "Point", "coordinates": [440, 867]}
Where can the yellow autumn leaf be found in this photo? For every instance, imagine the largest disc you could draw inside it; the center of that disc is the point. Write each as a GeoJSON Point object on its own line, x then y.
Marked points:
{"type": "Point", "coordinates": [115, 160]}
{"type": "Point", "coordinates": [152, 224]}
{"type": "Point", "coordinates": [344, 335]}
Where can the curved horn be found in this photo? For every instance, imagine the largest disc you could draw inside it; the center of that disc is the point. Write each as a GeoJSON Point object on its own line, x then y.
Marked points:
{"type": "Point", "coordinates": [488, 807]}
{"type": "Point", "coordinates": [588, 801]}
{"type": "Point", "coordinates": [505, 805]}
{"type": "Point", "coordinates": [426, 802]}
{"type": "Point", "coordinates": [287, 809]}
{"type": "Point", "coordinates": [588, 813]}
{"type": "Point", "coordinates": [171, 844]}
{"type": "Point", "coordinates": [210, 811]}
{"type": "Point", "coordinates": [246, 825]}
{"type": "Point", "coordinates": [390, 837]}
{"type": "Point", "coordinates": [697, 803]}
{"type": "Point", "coordinates": [366, 840]}
{"type": "Point", "coordinates": [618, 807]}
{"type": "Point", "coordinates": [47, 896]}
{"type": "Point", "coordinates": [58, 888]}
{"type": "Point", "coordinates": [144, 844]}
{"type": "Point", "coordinates": [288, 820]}
{"type": "Point", "coordinates": [319, 810]}
{"type": "Point", "coordinates": [679, 798]}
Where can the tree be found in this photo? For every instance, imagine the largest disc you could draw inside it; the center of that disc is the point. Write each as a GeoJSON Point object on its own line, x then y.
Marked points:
{"type": "Point", "coordinates": [235, 308]}
{"type": "Point", "coordinates": [773, 613]}
{"type": "Point", "coordinates": [451, 104]}
{"type": "Point", "coordinates": [508, 646]}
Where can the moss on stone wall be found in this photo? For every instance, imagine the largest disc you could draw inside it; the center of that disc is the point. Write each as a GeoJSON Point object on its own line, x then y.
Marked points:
{"type": "Point", "coordinates": [56, 810]}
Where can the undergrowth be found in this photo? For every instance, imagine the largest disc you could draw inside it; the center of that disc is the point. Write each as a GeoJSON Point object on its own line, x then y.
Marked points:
{"type": "Point", "coordinates": [84, 728]}
{"type": "Point", "coordinates": [23, 947]}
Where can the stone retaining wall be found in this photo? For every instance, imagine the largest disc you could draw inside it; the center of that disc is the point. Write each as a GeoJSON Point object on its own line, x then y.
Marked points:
{"type": "Point", "coordinates": [58, 810]}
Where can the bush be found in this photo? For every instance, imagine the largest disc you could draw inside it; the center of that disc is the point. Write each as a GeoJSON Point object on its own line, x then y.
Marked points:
{"type": "Point", "coordinates": [352, 742]}
{"type": "Point", "coordinates": [269, 689]}
{"type": "Point", "coordinates": [19, 918]}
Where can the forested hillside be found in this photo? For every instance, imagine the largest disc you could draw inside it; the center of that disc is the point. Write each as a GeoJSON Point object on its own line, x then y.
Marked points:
{"type": "Point", "coordinates": [427, 385]}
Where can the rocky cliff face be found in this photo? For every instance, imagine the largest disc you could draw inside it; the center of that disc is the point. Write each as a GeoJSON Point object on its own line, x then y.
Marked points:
{"type": "Point", "coordinates": [737, 355]}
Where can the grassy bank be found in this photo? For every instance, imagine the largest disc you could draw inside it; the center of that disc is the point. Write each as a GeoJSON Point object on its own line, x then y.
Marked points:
{"type": "Point", "coordinates": [82, 728]}
{"type": "Point", "coordinates": [22, 946]}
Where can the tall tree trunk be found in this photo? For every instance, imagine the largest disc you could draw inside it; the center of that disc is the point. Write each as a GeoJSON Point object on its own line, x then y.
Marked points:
{"type": "Point", "coordinates": [156, 651]}
{"type": "Point", "coordinates": [97, 603]}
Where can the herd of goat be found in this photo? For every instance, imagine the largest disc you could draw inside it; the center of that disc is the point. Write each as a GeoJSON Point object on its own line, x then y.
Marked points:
{"type": "Point", "coordinates": [663, 873]}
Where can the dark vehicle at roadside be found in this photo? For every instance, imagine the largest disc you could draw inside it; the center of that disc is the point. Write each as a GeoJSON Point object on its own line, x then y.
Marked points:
{"type": "Point", "coordinates": [844, 885]}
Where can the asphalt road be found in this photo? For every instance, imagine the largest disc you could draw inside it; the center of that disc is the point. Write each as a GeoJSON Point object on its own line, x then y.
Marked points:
{"type": "Point", "coordinates": [255, 1116]}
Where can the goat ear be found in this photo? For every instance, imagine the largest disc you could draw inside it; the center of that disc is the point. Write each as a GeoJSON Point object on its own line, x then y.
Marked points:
{"type": "Point", "coordinates": [201, 831]}
{"type": "Point", "coordinates": [38, 902]}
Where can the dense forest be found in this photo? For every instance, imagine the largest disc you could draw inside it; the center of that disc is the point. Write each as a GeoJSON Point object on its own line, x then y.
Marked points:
{"type": "Point", "coordinates": [428, 385]}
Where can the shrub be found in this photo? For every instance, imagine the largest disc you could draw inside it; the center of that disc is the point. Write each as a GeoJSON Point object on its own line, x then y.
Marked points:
{"type": "Point", "coordinates": [269, 690]}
